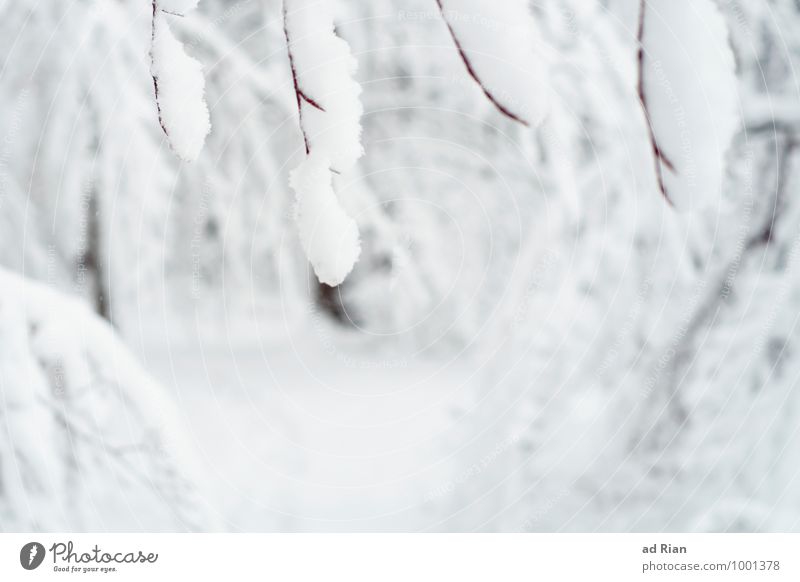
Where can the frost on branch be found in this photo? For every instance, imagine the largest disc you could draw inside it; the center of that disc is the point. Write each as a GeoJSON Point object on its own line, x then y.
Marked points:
{"type": "Point", "coordinates": [496, 43]}
{"type": "Point", "coordinates": [178, 83]}
{"type": "Point", "coordinates": [329, 110]}
{"type": "Point", "coordinates": [687, 87]}
{"type": "Point", "coordinates": [90, 441]}
{"type": "Point", "coordinates": [328, 235]}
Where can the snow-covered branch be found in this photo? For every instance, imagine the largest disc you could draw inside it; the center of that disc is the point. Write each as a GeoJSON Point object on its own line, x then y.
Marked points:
{"type": "Point", "coordinates": [300, 95]}
{"type": "Point", "coordinates": [687, 90]}
{"type": "Point", "coordinates": [178, 83]}
{"type": "Point", "coordinates": [496, 48]}
{"type": "Point", "coordinates": [660, 158]}
{"type": "Point", "coordinates": [329, 111]}
{"type": "Point", "coordinates": [771, 113]}
{"type": "Point", "coordinates": [322, 70]}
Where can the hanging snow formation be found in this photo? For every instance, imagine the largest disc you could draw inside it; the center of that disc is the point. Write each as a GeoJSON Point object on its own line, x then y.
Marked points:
{"type": "Point", "coordinates": [328, 235]}
{"type": "Point", "coordinates": [329, 109]}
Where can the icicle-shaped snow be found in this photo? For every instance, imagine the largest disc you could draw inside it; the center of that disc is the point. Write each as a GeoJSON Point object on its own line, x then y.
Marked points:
{"type": "Point", "coordinates": [496, 41]}
{"type": "Point", "coordinates": [688, 88]}
{"type": "Point", "coordinates": [179, 86]}
{"type": "Point", "coordinates": [329, 236]}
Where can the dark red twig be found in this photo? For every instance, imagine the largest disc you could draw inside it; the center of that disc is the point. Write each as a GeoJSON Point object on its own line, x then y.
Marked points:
{"type": "Point", "coordinates": [472, 73]}
{"type": "Point", "coordinates": [152, 65]}
{"type": "Point", "coordinates": [658, 154]}
{"type": "Point", "coordinates": [299, 94]}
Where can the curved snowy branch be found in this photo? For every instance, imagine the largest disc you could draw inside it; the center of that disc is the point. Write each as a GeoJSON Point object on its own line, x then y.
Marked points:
{"type": "Point", "coordinates": [658, 154]}
{"type": "Point", "coordinates": [688, 93]}
{"type": "Point", "coordinates": [326, 93]}
{"type": "Point", "coordinates": [497, 51]}
{"type": "Point", "coordinates": [178, 84]}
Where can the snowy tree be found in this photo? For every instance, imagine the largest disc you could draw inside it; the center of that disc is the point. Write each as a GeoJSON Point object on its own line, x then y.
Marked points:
{"type": "Point", "coordinates": [90, 440]}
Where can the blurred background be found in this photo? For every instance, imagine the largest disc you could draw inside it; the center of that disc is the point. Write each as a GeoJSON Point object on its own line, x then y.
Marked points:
{"type": "Point", "coordinates": [532, 340]}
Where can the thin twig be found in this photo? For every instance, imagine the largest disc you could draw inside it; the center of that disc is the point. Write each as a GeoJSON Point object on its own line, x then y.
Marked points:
{"type": "Point", "coordinates": [658, 154]}
{"type": "Point", "coordinates": [299, 94]}
{"type": "Point", "coordinates": [152, 65]}
{"type": "Point", "coordinates": [472, 73]}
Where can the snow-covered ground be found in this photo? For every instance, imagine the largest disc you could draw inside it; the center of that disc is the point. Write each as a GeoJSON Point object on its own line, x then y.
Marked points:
{"type": "Point", "coordinates": [304, 434]}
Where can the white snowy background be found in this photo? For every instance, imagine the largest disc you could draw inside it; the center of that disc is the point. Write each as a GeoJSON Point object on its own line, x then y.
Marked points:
{"type": "Point", "coordinates": [541, 323]}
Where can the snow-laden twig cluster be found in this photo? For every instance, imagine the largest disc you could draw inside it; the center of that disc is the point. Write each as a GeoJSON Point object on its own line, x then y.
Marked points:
{"type": "Point", "coordinates": [496, 43]}
{"type": "Point", "coordinates": [178, 83]}
{"type": "Point", "coordinates": [329, 110]}
{"type": "Point", "coordinates": [687, 88]}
